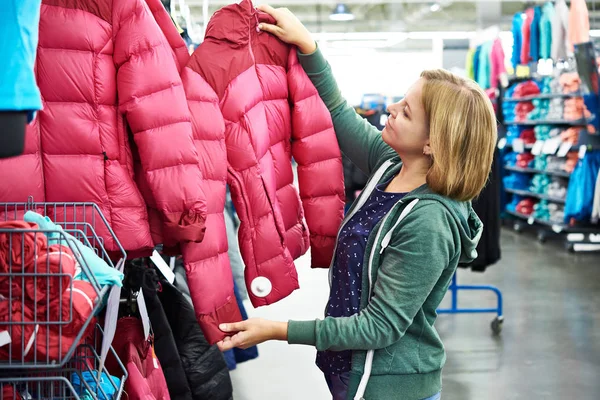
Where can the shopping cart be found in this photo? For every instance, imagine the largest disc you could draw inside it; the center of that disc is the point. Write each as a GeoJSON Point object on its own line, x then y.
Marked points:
{"type": "Point", "coordinates": [50, 301]}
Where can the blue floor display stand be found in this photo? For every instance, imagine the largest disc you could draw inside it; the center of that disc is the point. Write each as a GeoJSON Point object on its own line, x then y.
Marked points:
{"type": "Point", "coordinates": [454, 309]}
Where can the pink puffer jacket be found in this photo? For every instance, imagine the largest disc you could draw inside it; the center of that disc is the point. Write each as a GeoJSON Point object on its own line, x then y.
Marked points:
{"type": "Point", "coordinates": [106, 72]}
{"type": "Point", "coordinates": [272, 112]}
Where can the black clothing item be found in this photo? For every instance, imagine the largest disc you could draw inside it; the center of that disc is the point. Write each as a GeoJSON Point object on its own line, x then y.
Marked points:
{"type": "Point", "coordinates": [204, 365]}
{"type": "Point", "coordinates": [166, 348]}
{"type": "Point", "coordinates": [12, 133]}
{"type": "Point", "coordinates": [487, 207]}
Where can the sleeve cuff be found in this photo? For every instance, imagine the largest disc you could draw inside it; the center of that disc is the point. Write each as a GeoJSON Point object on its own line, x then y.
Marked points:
{"type": "Point", "coordinates": [313, 63]}
{"type": "Point", "coordinates": [302, 332]}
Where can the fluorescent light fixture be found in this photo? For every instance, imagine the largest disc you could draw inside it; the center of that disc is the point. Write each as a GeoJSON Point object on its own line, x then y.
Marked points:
{"type": "Point", "coordinates": [341, 12]}
{"type": "Point", "coordinates": [435, 7]}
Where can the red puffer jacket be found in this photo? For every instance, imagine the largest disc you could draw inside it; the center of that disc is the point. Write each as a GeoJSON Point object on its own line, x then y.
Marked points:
{"type": "Point", "coordinates": [105, 70]}
{"type": "Point", "coordinates": [272, 112]}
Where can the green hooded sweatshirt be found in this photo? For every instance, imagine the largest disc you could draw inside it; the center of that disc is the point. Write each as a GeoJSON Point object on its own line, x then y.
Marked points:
{"type": "Point", "coordinates": [410, 258]}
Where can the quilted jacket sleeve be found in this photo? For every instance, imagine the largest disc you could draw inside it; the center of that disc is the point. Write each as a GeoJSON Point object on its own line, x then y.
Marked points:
{"type": "Point", "coordinates": [320, 171]}
{"type": "Point", "coordinates": [152, 98]}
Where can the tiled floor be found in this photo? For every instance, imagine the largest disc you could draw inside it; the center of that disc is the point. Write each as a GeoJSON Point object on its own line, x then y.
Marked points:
{"type": "Point", "coordinates": [549, 349]}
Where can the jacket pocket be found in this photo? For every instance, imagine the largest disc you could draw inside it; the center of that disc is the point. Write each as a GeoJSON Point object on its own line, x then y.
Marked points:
{"type": "Point", "coordinates": [383, 360]}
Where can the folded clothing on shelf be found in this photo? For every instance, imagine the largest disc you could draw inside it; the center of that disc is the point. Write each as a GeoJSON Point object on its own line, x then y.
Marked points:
{"type": "Point", "coordinates": [540, 111]}
{"type": "Point", "coordinates": [541, 211]}
{"type": "Point", "coordinates": [510, 159]}
{"type": "Point", "coordinates": [542, 132]}
{"type": "Point", "coordinates": [539, 183]}
{"type": "Point", "coordinates": [524, 160]}
{"type": "Point", "coordinates": [570, 82]}
{"type": "Point", "coordinates": [575, 109]}
{"type": "Point", "coordinates": [557, 213]}
{"type": "Point", "coordinates": [522, 110]}
{"type": "Point", "coordinates": [525, 206]}
{"type": "Point", "coordinates": [540, 162]}
{"type": "Point", "coordinates": [516, 181]}
{"type": "Point", "coordinates": [528, 136]}
{"type": "Point", "coordinates": [527, 88]}
{"type": "Point", "coordinates": [556, 109]}
{"type": "Point", "coordinates": [555, 164]}
{"type": "Point", "coordinates": [557, 188]}
{"type": "Point", "coordinates": [570, 135]}
{"type": "Point", "coordinates": [513, 132]}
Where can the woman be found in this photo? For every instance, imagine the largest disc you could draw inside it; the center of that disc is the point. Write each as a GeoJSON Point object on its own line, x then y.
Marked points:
{"type": "Point", "coordinates": [403, 238]}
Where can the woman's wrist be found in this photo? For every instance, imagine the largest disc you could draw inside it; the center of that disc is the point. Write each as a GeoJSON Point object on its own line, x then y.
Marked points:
{"type": "Point", "coordinates": [308, 46]}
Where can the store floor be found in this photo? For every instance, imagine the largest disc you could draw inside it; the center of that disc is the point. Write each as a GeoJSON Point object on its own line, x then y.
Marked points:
{"type": "Point", "coordinates": [549, 348]}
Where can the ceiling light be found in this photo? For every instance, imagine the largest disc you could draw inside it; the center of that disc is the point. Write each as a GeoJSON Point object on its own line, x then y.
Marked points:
{"type": "Point", "coordinates": [341, 12]}
{"type": "Point", "coordinates": [435, 7]}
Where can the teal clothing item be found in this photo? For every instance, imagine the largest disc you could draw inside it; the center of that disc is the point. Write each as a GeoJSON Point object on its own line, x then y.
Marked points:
{"type": "Point", "coordinates": [546, 30]}
{"type": "Point", "coordinates": [103, 273]}
{"type": "Point", "coordinates": [534, 38]}
{"type": "Point", "coordinates": [410, 258]}
{"type": "Point", "coordinates": [19, 26]}
{"type": "Point", "coordinates": [517, 31]}
{"type": "Point", "coordinates": [104, 389]}
{"type": "Point", "coordinates": [484, 72]}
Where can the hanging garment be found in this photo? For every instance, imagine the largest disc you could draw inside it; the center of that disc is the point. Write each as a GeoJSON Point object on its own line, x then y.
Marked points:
{"type": "Point", "coordinates": [579, 23]}
{"type": "Point", "coordinates": [96, 87]}
{"type": "Point", "coordinates": [560, 29]}
{"type": "Point", "coordinates": [469, 67]}
{"type": "Point", "coordinates": [497, 67]}
{"type": "Point", "coordinates": [534, 39]}
{"type": "Point", "coordinates": [582, 187]}
{"type": "Point", "coordinates": [526, 46]}
{"type": "Point", "coordinates": [487, 208]}
{"type": "Point", "coordinates": [517, 32]}
{"type": "Point", "coordinates": [476, 63]}
{"type": "Point", "coordinates": [256, 77]}
{"type": "Point", "coordinates": [546, 19]}
{"type": "Point", "coordinates": [204, 366]}
{"type": "Point", "coordinates": [166, 348]}
{"type": "Point", "coordinates": [596, 206]}
{"type": "Point", "coordinates": [146, 380]}
{"type": "Point", "coordinates": [485, 66]}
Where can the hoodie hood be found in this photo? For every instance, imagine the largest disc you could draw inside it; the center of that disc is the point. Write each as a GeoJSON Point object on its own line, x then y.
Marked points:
{"type": "Point", "coordinates": [236, 22]}
{"type": "Point", "coordinates": [468, 223]}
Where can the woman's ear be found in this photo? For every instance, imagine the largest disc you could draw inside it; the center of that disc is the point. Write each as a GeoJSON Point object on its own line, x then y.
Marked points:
{"type": "Point", "coordinates": [427, 149]}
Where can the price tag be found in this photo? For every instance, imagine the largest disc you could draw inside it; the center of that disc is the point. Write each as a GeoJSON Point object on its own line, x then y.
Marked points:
{"type": "Point", "coordinates": [537, 148]}
{"type": "Point", "coordinates": [4, 338]}
{"type": "Point", "coordinates": [551, 146]}
{"type": "Point", "coordinates": [518, 146]}
{"type": "Point", "coordinates": [582, 151]}
{"type": "Point", "coordinates": [162, 266]}
{"type": "Point", "coordinates": [563, 150]}
{"type": "Point", "coordinates": [502, 143]}
{"type": "Point", "coordinates": [144, 314]}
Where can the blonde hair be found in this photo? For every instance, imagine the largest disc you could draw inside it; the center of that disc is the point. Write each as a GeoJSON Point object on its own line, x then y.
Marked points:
{"type": "Point", "coordinates": [462, 134]}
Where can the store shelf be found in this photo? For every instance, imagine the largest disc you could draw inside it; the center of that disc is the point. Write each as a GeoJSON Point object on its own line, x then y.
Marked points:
{"type": "Point", "coordinates": [537, 171]}
{"type": "Point", "coordinates": [531, 220]}
{"type": "Point", "coordinates": [526, 193]}
{"type": "Point", "coordinates": [543, 96]}
{"type": "Point", "coordinates": [526, 146]}
{"type": "Point", "coordinates": [580, 122]}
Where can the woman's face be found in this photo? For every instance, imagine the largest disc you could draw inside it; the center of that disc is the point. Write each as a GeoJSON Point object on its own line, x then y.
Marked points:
{"type": "Point", "coordinates": [406, 130]}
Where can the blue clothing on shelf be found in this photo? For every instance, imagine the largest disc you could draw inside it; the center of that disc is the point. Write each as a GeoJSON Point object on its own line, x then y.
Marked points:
{"type": "Point", "coordinates": [516, 181]}
{"type": "Point", "coordinates": [91, 379]}
{"type": "Point", "coordinates": [345, 294]}
{"type": "Point", "coordinates": [103, 273]}
{"type": "Point", "coordinates": [484, 71]}
{"type": "Point", "coordinates": [580, 194]}
{"type": "Point", "coordinates": [19, 26]}
{"type": "Point", "coordinates": [534, 39]}
{"type": "Point", "coordinates": [517, 32]}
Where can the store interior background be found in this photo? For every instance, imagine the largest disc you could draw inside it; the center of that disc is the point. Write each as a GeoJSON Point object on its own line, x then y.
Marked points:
{"type": "Point", "coordinates": [550, 344]}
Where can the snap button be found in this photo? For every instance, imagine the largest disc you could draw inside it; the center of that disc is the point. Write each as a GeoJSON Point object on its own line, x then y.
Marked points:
{"type": "Point", "coordinates": [261, 286]}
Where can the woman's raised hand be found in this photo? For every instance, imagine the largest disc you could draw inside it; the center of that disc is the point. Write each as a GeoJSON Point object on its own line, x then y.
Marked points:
{"type": "Point", "coordinates": [288, 28]}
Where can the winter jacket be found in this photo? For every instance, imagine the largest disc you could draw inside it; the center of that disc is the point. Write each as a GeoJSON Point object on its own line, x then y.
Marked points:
{"type": "Point", "coordinates": [560, 29]}
{"type": "Point", "coordinates": [105, 72]}
{"type": "Point", "coordinates": [546, 19]}
{"type": "Point", "coordinates": [204, 366]}
{"type": "Point", "coordinates": [271, 112]}
{"type": "Point", "coordinates": [146, 380]}
{"type": "Point", "coordinates": [526, 37]}
{"type": "Point", "coordinates": [579, 23]}
{"type": "Point", "coordinates": [517, 31]}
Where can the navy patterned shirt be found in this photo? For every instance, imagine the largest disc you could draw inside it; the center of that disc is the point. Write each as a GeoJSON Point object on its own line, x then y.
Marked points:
{"type": "Point", "coordinates": [344, 297]}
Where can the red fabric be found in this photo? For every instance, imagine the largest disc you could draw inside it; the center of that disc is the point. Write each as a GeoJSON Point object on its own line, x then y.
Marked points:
{"type": "Point", "coordinates": [50, 339]}
{"type": "Point", "coordinates": [523, 160]}
{"type": "Point", "coordinates": [528, 136]}
{"type": "Point", "coordinates": [17, 252]}
{"type": "Point", "coordinates": [271, 112]}
{"type": "Point", "coordinates": [526, 30]}
{"type": "Point", "coordinates": [105, 69]}
{"type": "Point", "coordinates": [523, 109]}
{"type": "Point", "coordinates": [146, 380]}
{"type": "Point", "coordinates": [526, 206]}
{"type": "Point", "coordinates": [58, 261]}
{"type": "Point", "coordinates": [9, 393]}
{"type": "Point", "coordinates": [527, 88]}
